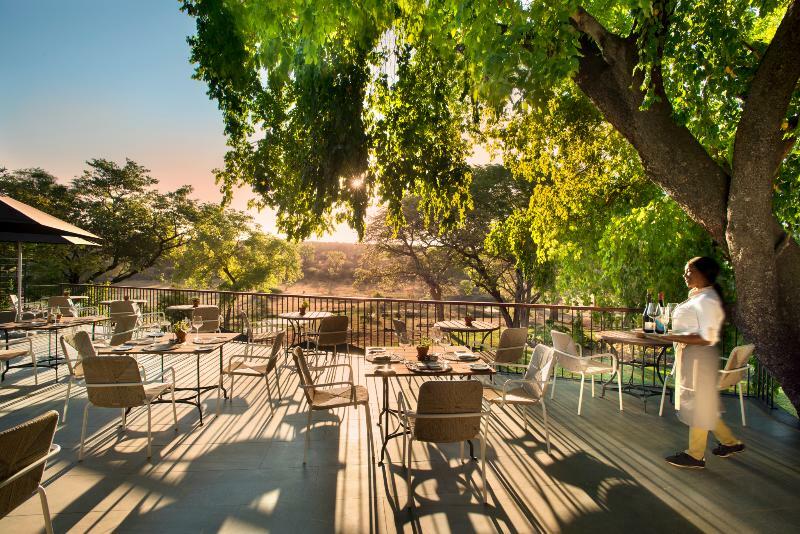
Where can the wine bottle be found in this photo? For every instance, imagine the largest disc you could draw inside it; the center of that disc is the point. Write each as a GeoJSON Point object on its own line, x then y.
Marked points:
{"type": "Point", "coordinates": [647, 321]}
{"type": "Point", "coordinates": [661, 328]}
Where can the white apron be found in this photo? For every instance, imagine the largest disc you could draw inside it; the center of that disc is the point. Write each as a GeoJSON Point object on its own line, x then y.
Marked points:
{"type": "Point", "coordinates": [697, 400]}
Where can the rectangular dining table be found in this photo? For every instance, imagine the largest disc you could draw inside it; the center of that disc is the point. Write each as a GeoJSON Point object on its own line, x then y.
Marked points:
{"type": "Point", "coordinates": [385, 371]}
{"type": "Point", "coordinates": [42, 325]}
{"type": "Point", "coordinates": [209, 342]}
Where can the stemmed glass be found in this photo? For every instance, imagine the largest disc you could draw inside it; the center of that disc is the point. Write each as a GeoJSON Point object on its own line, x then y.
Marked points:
{"type": "Point", "coordinates": [652, 311]}
{"type": "Point", "coordinates": [197, 324]}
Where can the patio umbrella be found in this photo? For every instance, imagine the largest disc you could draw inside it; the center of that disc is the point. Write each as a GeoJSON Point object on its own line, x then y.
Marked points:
{"type": "Point", "coordinates": [21, 223]}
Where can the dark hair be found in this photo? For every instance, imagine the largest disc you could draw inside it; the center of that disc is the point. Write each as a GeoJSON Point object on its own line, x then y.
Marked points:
{"type": "Point", "coordinates": [709, 268]}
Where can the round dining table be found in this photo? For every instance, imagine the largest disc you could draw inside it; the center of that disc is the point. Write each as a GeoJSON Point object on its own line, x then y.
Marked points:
{"type": "Point", "coordinates": [297, 320]}
{"type": "Point", "coordinates": [459, 326]}
{"type": "Point", "coordinates": [616, 340]}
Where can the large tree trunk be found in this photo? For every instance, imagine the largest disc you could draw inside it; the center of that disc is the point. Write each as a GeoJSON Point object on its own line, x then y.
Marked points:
{"type": "Point", "coordinates": [733, 205]}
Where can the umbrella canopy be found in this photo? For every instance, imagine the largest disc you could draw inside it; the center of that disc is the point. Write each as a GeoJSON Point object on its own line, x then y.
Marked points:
{"type": "Point", "coordinates": [21, 223]}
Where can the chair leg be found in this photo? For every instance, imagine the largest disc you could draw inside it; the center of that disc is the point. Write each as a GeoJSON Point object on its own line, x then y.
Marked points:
{"type": "Point", "coordinates": [124, 419]}
{"type": "Point", "coordinates": [461, 451]}
{"type": "Point", "coordinates": [308, 436]}
{"type": "Point", "coordinates": [36, 370]}
{"type": "Point", "coordinates": [231, 395]}
{"type": "Point", "coordinates": [619, 389]}
{"type": "Point", "coordinates": [278, 381]}
{"type": "Point", "coordinates": [408, 474]}
{"type": "Point", "coordinates": [66, 402]}
{"type": "Point", "coordinates": [592, 386]}
{"type": "Point", "coordinates": [219, 393]}
{"type": "Point", "coordinates": [484, 438]}
{"type": "Point", "coordinates": [546, 427]}
{"type": "Point", "coordinates": [580, 396]}
{"type": "Point", "coordinates": [149, 433]}
{"type": "Point", "coordinates": [83, 430]}
{"type": "Point", "coordinates": [174, 409]}
{"type": "Point", "coordinates": [368, 418]}
{"type": "Point", "coordinates": [741, 403]}
{"type": "Point", "coordinates": [663, 396]}
{"type": "Point", "coordinates": [553, 385]}
{"type": "Point", "coordinates": [269, 394]}
{"type": "Point", "coordinates": [48, 524]}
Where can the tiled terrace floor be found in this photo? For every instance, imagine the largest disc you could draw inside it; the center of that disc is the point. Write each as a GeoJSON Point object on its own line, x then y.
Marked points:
{"type": "Point", "coordinates": [243, 471]}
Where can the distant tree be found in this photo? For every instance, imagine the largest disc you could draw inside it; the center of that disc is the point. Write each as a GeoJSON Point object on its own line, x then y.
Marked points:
{"type": "Point", "coordinates": [226, 250]}
{"type": "Point", "coordinates": [334, 264]}
{"type": "Point", "coordinates": [137, 224]}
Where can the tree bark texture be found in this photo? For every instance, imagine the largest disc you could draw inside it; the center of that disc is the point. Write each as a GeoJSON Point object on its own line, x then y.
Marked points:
{"type": "Point", "coordinates": [734, 205]}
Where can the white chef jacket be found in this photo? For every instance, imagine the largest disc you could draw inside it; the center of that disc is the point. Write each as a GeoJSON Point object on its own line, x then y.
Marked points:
{"type": "Point", "coordinates": [701, 313]}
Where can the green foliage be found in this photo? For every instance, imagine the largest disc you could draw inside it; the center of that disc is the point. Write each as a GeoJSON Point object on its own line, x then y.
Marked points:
{"type": "Point", "coordinates": [227, 251]}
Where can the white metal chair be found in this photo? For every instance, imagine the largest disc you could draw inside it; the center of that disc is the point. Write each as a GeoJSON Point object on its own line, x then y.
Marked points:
{"type": "Point", "coordinates": [252, 336]}
{"type": "Point", "coordinates": [527, 391]}
{"type": "Point", "coordinates": [570, 357]}
{"type": "Point", "coordinates": [116, 382]}
{"type": "Point", "coordinates": [24, 452]}
{"type": "Point", "coordinates": [447, 412]}
{"type": "Point", "coordinates": [733, 374]}
{"type": "Point", "coordinates": [254, 364]}
{"type": "Point", "coordinates": [17, 348]}
{"type": "Point", "coordinates": [68, 308]}
{"type": "Point", "coordinates": [330, 395]}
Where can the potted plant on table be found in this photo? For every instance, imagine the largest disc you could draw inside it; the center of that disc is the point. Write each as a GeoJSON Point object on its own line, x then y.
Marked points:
{"type": "Point", "coordinates": [180, 329]}
{"type": "Point", "coordinates": [423, 347]}
{"type": "Point", "coordinates": [303, 307]}
{"type": "Point", "coordinates": [468, 320]}
{"type": "Point", "coordinates": [195, 303]}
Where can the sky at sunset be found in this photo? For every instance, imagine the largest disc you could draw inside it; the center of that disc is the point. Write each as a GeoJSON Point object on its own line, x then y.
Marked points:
{"type": "Point", "coordinates": [111, 79]}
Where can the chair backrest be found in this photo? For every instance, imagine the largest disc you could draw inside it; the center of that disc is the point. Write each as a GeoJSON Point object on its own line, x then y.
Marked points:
{"type": "Point", "coordinates": [564, 343]}
{"type": "Point", "coordinates": [277, 347]}
{"type": "Point", "coordinates": [737, 360]}
{"type": "Point", "coordinates": [449, 397]}
{"type": "Point", "coordinates": [119, 308]}
{"type": "Point", "coordinates": [76, 347]}
{"type": "Point", "coordinates": [64, 304]}
{"type": "Point", "coordinates": [121, 373]}
{"type": "Point", "coordinates": [399, 326]}
{"type": "Point", "coordinates": [247, 330]}
{"type": "Point", "coordinates": [333, 331]}
{"type": "Point", "coordinates": [124, 328]}
{"type": "Point", "coordinates": [20, 446]}
{"type": "Point", "coordinates": [303, 373]}
{"type": "Point", "coordinates": [14, 300]}
{"type": "Point", "coordinates": [539, 370]}
{"type": "Point", "coordinates": [511, 348]}
{"type": "Point", "coordinates": [210, 315]}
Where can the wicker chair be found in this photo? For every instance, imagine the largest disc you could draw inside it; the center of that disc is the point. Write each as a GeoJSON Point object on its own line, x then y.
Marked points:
{"type": "Point", "coordinates": [75, 347]}
{"type": "Point", "coordinates": [64, 304]}
{"type": "Point", "coordinates": [333, 332]}
{"type": "Point", "coordinates": [529, 390]}
{"type": "Point", "coordinates": [18, 348]}
{"type": "Point", "coordinates": [330, 395]}
{"type": "Point", "coordinates": [733, 374]}
{"type": "Point", "coordinates": [116, 382]}
{"type": "Point", "coordinates": [510, 349]}
{"type": "Point", "coordinates": [401, 330]}
{"type": "Point", "coordinates": [24, 451]}
{"type": "Point", "coordinates": [257, 337]}
{"type": "Point", "coordinates": [570, 357]}
{"type": "Point", "coordinates": [119, 308]}
{"type": "Point", "coordinates": [447, 412]}
{"type": "Point", "coordinates": [252, 364]}
{"type": "Point", "coordinates": [211, 318]}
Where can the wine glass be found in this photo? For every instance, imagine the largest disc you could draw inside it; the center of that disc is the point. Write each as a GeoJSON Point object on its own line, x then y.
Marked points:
{"type": "Point", "coordinates": [436, 335]}
{"type": "Point", "coordinates": [652, 311]}
{"type": "Point", "coordinates": [197, 324]}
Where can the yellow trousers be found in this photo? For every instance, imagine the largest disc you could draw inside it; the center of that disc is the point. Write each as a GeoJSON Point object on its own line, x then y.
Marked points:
{"type": "Point", "coordinates": [698, 438]}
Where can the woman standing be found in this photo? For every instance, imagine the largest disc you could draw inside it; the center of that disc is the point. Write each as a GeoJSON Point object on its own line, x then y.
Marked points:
{"type": "Point", "coordinates": [697, 323]}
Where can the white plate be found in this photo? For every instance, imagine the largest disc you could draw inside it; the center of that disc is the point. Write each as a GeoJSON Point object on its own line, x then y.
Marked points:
{"type": "Point", "coordinates": [479, 367]}
{"type": "Point", "coordinates": [466, 356]}
{"type": "Point", "coordinates": [122, 348]}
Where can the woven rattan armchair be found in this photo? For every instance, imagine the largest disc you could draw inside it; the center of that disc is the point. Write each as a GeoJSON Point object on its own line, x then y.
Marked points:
{"type": "Point", "coordinates": [24, 451]}
{"type": "Point", "coordinates": [733, 374]}
{"type": "Point", "coordinates": [211, 318]}
{"type": "Point", "coordinates": [252, 336]}
{"type": "Point", "coordinates": [252, 363]}
{"type": "Point", "coordinates": [116, 382]}
{"type": "Point", "coordinates": [510, 349]}
{"type": "Point", "coordinates": [75, 348]}
{"type": "Point", "coordinates": [330, 395]}
{"type": "Point", "coordinates": [332, 333]}
{"type": "Point", "coordinates": [529, 390]}
{"type": "Point", "coordinates": [447, 412]}
{"type": "Point", "coordinates": [569, 356]}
